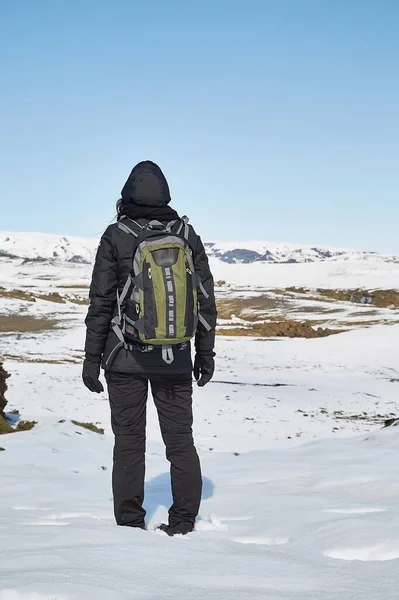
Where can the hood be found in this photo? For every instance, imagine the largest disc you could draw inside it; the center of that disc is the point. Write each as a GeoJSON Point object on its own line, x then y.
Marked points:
{"type": "Point", "coordinates": [146, 186]}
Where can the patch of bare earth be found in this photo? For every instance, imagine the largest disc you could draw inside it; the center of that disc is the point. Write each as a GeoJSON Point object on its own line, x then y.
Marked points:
{"type": "Point", "coordinates": [89, 426]}
{"type": "Point", "coordinates": [55, 297]}
{"type": "Point", "coordinates": [39, 361]}
{"type": "Point", "coordinates": [375, 298]}
{"type": "Point", "coordinates": [284, 328]}
{"type": "Point", "coordinates": [25, 324]}
{"type": "Point", "coordinates": [255, 311]}
{"type": "Point", "coordinates": [74, 286]}
{"type": "Point", "coordinates": [305, 313]}
{"type": "Point", "coordinates": [250, 309]}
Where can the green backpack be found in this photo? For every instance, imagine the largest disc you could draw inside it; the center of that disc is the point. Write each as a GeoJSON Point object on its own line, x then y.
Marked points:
{"type": "Point", "coordinates": [158, 305]}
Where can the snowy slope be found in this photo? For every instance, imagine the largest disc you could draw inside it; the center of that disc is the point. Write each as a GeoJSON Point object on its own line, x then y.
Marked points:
{"type": "Point", "coordinates": [316, 523]}
{"type": "Point", "coordinates": [47, 246]}
{"type": "Point", "coordinates": [279, 520]}
{"type": "Point", "coordinates": [357, 272]}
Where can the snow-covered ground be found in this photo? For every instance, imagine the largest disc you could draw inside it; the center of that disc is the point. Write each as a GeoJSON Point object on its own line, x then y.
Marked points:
{"type": "Point", "coordinates": [300, 501]}
{"type": "Point", "coordinates": [300, 480]}
{"type": "Point", "coordinates": [319, 522]}
{"type": "Point", "coordinates": [356, 272]}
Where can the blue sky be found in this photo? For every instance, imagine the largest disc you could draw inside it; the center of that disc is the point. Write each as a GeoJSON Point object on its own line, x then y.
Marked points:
{"type": "Point", "coordinates": [272, 119]}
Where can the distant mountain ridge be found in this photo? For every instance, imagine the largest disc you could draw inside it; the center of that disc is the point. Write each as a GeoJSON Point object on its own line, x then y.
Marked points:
{"type": "Point", "coordinates": [280, 253]}
{"type": "Point", "coordinates": [43, 247]}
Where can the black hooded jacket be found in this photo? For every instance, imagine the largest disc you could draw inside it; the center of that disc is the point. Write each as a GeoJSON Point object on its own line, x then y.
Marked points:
{"type": "Point", "coordinates": [146, 186]}
{"type": "Point", "coordinates": [145, 196]}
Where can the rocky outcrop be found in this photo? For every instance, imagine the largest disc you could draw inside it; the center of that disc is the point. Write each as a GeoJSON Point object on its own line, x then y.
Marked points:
{"type": "Point", "coordinates": [4, 426]}
{"type": "Point", "coordinates": [392, 422]}
{"type": "Point", "coordinates": [3, 389]}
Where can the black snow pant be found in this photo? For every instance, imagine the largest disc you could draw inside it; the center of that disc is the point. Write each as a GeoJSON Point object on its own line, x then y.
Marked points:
{"type": "Point", "coordinates": [173, 400]}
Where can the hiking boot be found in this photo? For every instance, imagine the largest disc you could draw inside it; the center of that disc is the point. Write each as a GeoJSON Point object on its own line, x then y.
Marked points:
{"type": "Point", "coordinates": [163, 527]}
{"type": "Point", "coordinates": [179, 529]}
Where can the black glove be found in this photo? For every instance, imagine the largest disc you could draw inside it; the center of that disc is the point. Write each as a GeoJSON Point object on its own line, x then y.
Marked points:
{"type": "Point", "coordinates": [91, 374]}
{"type": "Point", "coordinates": [204, 367]}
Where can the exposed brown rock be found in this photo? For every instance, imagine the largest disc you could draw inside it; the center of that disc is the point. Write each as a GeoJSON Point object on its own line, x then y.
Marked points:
{"type": "Point", "coordinates": [287, 328]}
{"type": "Point", "coordinates": [5, 427]}
{"type": "Point", "coordinates": [3, 389]}
{"type": "Point", "coordinates": [89, 426]}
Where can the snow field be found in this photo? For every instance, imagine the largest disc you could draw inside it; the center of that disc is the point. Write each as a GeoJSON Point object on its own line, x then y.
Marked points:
{"type": "Point", "coordinates": [68, 261]}
{"type": "Point", "coordinates": [273, 523]}
{"type": "Point", "coordinates": [300, 497]}
{"type": "Point", "coordinates": [280, 520]}
{"type": "Point", "coordinates": [15, 595]}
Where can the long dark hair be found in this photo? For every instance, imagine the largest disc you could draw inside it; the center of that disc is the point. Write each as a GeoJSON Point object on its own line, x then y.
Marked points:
{"type": "Point", "coordinates": [119, 207]}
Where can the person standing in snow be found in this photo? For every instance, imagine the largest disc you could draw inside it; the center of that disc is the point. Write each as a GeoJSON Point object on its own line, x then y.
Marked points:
{"type": "Point", "coordinates": [126, 315]}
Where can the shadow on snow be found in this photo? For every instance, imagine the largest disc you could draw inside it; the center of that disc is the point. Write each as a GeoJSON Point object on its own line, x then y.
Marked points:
{"type": "Point", "coordinates": [158, 493]}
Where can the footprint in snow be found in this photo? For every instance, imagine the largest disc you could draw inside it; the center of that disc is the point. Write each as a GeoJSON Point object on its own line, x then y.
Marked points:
{"type": "Point", "coordinates": [236, 518]}
{"type": "Point", "coordinates": [47, 523]}
{"type": "Point", "coordinates": [261, 540]}
{"type": "Point", "coordinates": [210, 524]}
{"type": "Point", "coordinates": [76, 515]}
{"type": "Point", "coordinates": [354, 511]}
{"type": "Point", "coordinates": [378, 552]}
{"type": "Point", "coordinates": [29, 508]}
{"type": "Point", "coordinates": [16, 595]}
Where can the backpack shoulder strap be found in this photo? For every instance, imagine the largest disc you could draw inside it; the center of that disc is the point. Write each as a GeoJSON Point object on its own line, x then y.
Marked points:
{"type": "Point", "coordinates": [184, 228]}
{"type": "Point", "coordinates": [170, 225]}
{"type": "Point", "coordinates": [130, 230]}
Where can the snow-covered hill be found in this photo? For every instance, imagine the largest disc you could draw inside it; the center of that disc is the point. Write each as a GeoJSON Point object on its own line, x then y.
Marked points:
{"type": "Point", "coordinates": [43, 246]}
{"type": "Point", "coordinates": [47, 246]}
{"type": "Point", "coordinates": [29, 258]}
{"type": "Point", "coordinates": [272, 252]}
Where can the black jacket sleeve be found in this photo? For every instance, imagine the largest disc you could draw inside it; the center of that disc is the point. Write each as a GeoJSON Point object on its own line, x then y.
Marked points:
{"type": "Point", "coordinates": [102, 296]}
{"type": "Point", "coordinates": [205, 340]}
